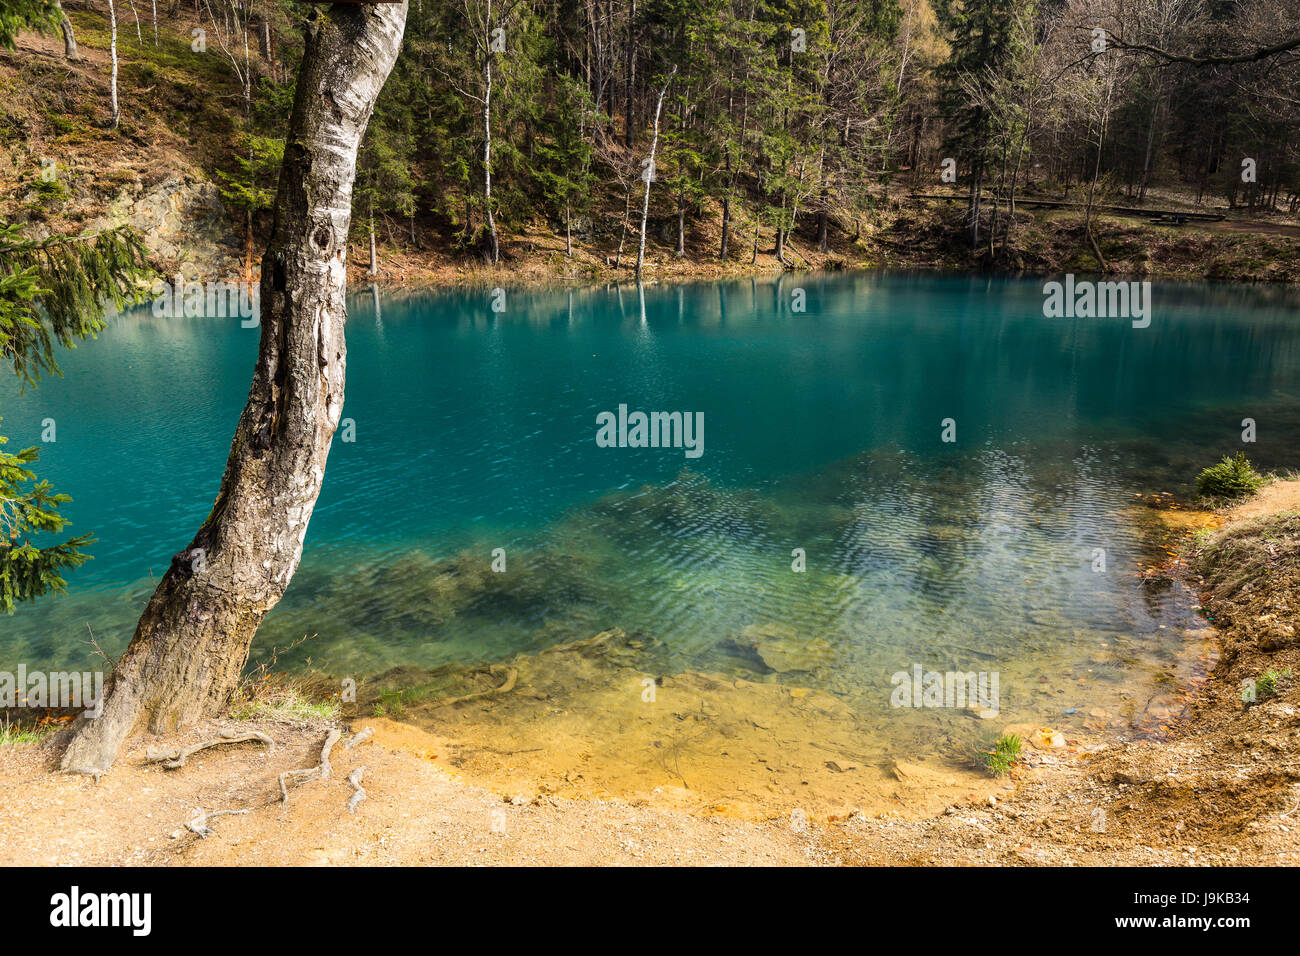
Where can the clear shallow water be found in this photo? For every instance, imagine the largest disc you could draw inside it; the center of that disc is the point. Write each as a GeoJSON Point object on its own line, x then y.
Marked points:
{"type": "Point", "coordinates": [476, 430]}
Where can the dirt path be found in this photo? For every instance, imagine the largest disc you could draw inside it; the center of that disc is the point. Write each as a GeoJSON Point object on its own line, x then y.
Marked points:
{"type": "Point", "coordinates": [417, 812]}
{"type": "Point", "coordinates": [1251, 225]}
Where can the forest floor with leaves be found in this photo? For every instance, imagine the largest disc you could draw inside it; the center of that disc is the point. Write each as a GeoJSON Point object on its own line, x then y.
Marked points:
{"type": "Point", "coordinates": [1222, 788]}
{"type": "Point", "coordinates": [160, 170]}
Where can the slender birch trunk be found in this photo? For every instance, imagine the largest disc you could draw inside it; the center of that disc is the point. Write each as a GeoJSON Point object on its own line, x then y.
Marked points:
{"type": "Point", "coordinates": [487, 137]}
{"type": "Point", "coordinates": [649, 173]}
{"type": "Point", "coordinates": [112, 51]}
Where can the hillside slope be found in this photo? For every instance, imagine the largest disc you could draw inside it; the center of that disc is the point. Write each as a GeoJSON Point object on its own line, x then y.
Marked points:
{"type": "Point", "coordinates": [161, 171]}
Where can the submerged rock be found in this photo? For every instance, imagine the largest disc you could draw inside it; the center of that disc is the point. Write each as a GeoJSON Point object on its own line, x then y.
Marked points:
{"type": "Point", "coordinates": [779, 648]}
{"type": "Point", "coordinates": [1047, 739]}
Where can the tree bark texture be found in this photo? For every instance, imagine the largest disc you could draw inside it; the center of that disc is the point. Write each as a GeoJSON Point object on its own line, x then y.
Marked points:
{"type": "Point", "coordinates": [192, 641]}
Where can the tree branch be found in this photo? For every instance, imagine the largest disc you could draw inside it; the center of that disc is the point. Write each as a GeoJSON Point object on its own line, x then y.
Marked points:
{"type": "Point", "coordinates": [1219, 60]}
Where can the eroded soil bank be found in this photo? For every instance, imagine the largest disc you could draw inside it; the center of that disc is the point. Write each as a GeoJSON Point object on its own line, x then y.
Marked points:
{"type": "Point", "coordinates": [530, 783]}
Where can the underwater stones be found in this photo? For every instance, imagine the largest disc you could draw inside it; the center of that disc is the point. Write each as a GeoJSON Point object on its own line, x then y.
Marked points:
{"type": "Point", "coordinates": [905, 772]}
{"type": "Point", "coordinates": [916, 777]}
{"type": "Point", "coordinates": [1044, 738]}
{"type": "Point", "coordinates": [1045, 618]}
{"type": "Point", "coordinates": [779, 648]}
{"type": "Point", "coordinates": [947, 532]}
{"type": "Point", "coordinates": [412, 564]}
{"type": "Point", "coordinates": [843, 766]}
{"type": "Point", "coordinates": [1023, 731]}
{"type": "Point", "coordinates": [981, 712]}
{"type": "Point", "coordinates": [1161, 708]}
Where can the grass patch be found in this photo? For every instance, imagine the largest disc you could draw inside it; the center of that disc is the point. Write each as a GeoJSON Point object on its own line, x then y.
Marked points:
{"type": "Point", "coordinates": [287, 708]}
{"type": "Point", "coordinates": [1253, 566]}
{"type": "Point", "coordinates": [12, 733]}
{"type": "Point", "coordinates": [265, 695]}
{"type": "Point", "coordinates": [393, 701]}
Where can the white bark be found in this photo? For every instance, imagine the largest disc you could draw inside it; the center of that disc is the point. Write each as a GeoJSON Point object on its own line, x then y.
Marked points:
{"type": "Point", "coordinates": [487, 139]}
{"type": "Point", "coordinates": [112, 50]}
{"type": "Point", "coordinates": [650, 168]}
{"type": "Point", "coordinates": [374, 252]}
{"type": "Point", "coordinates": [139, 36]}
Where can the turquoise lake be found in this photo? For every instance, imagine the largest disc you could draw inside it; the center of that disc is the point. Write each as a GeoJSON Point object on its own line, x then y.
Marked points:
{"type": "Point", "coordinates": [476, 430]}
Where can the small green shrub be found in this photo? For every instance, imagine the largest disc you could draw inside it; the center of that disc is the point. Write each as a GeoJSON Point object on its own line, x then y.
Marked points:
{"type": "Point", "coordinates": [1004, 754]}
{"type": "Point", "coordinates": [1266, 684]}
{"type": "Point", "coordinates": [61, 124]}
{"type": "Point", "coordinates": [49, 194]}
{"type": "Point", "coordinates": [1233, 477]}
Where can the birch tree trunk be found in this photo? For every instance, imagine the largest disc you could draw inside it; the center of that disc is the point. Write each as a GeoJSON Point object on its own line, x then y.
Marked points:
{"type": "Point", "coordinates": [139, 35]}
{"type": "Point", "coordinates": [627, 212]}
{"type": "Point", "coordinates": [487, 160]}
{"type": "Point", "coordinates": [374, 252]}
{"type": "Point", "coordinates": [487, 139]}
{"type": "Point", "coordinates": [681, 224]}
{"type": "Point", "coordinates": [192, 641]}
{"type": "Point", "coordinates": [649, 174]}
{"type": "Point", "coordinates": [112, 49]}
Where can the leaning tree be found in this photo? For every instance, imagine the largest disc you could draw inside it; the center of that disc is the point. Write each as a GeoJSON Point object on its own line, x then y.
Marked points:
{"type": "Point", "coordinates": [192, 641]}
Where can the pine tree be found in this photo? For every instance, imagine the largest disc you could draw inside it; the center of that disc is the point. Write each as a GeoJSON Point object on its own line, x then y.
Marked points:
{"type": "Point", "coordinates": [385, 185]}
{"type": "Point", "coordinates": [979, 33]}
{"type": "Point", "coordinates": [252, 190]}
{"type": "Point", "coordinates": [51, 293]}
{"type": "Point", "coordinates": [41, 16]}
{"type": "Point", "coordinates": [564, 159]}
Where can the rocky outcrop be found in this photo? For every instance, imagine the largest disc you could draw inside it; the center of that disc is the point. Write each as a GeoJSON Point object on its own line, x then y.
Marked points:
{"type": "Point", "coordinates": [183, 223]}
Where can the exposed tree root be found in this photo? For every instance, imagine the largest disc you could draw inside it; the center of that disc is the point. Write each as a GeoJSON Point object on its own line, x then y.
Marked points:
{"type": "Point", "coordinates": [330, 740]}
{"type": "Point", "coordinates": [199, 823]}
{"type": "Point", "coordinates": [583, 643]}
{"type": "Point", "coordinates": [172, 759]}
{"type": "Point", "coordinates": [354, 778]}
{"type": "Point", "coordinates": [359, 738]}
{"type": "Point", "coordinates": [506, 686]}
{"type": "Point", "coordinates": [321, 771]}
{"type": "Point", "coordinates": [93, 772]}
